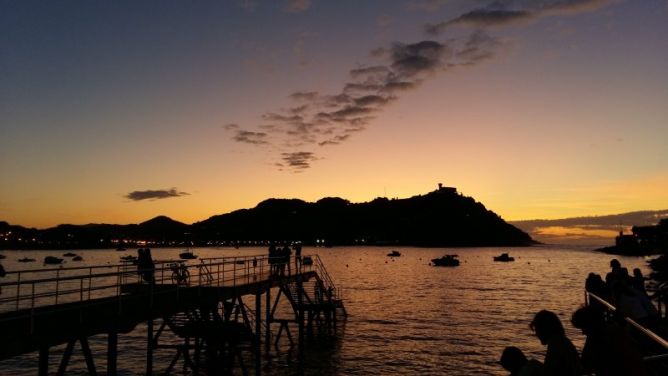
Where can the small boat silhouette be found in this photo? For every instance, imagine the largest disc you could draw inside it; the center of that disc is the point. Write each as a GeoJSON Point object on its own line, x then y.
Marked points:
{"type": "Point", "coordinates": [77, 258]}
{"type": "Point", "coordinates": [447, 260]}
{"type": "Point", "coordinates": [394, 253]}
{"type": "Point", "coordinates": [52, 260]}
{"type": "Point", "coordinates": [504, 258]}
{"type": "Point", "coordinates": [187, 254]}
{"type": "Point", "coordinates": [26, 259]}
{"type": "Point", "coordinates": [69, 254]}
{"type": "Point", "coordinates": [128, 258]}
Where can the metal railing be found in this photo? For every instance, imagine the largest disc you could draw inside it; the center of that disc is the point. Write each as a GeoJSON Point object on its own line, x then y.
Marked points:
{"type": "Point", "coordinates": [644, 331]}
{"type": "Point", "coordinates": [31, 289]}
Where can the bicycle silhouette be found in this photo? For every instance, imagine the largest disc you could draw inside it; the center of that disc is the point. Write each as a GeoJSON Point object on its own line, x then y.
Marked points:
{"type": "Point", "coordinates": [180, 274]}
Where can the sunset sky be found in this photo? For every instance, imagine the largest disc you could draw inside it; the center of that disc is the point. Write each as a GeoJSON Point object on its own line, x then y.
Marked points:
{"type": "Point", "coordinates": [118, 111]}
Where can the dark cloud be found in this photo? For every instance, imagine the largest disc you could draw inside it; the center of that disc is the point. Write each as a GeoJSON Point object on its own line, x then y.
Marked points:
{"type": "Point", "coordinates": [155, 194]}
{"type": "Point", "coordinates": [372, 100]}
{"type": "Point", "coordinates": [493, 17]}
{"type": "Point", "coordinates": [248, 137]}
{"type": "Point", "coordinates": [304, 95]}
{"type": "Point", "coordinates": [299, 160]}
{"type": "Point", "coordinates": [498, 14]}
{"type": "Point", "coordinates": [369, 71]}
{"type": "Point", "coordinates": [413, 59]}
{"type": "Point", "coordinates": [335, 141]}
{"type": "Point", "coordinates": [570, 7]}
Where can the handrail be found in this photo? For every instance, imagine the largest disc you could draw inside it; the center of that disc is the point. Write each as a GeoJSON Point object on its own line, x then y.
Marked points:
{"type": "Point", "coordinates": [656, 338]}
{"type": "Point", "coordinates": [66, 288]}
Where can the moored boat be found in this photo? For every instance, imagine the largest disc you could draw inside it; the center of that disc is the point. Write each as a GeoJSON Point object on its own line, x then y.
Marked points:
{"type": "Point", "coordinates": [504, 258]}
{"type": "Point", "coordinates": [26, 259]}
{"type": "Point", "coordinates": [187, 254]}
{"type": "Point", "coordinates": [77, 258]}
{"type": "Point", "coordinates": [394, 253]}
{"type": "Point", "coordinates": [69, 254]}
{"type": "Point", "coordinates": [52, 260]}
{"type": "Point", "coordinates": [447, 260]}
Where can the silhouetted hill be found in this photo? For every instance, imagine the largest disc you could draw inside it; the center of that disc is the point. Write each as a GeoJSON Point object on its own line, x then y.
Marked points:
{"type": "Point", "coordinates": [439, 218]}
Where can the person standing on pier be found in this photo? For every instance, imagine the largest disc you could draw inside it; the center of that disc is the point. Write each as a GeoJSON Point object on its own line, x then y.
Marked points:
{"type": "Point", "coordinates": [561, 358]}
{"type": "Point", "coordinates": [285, 254]}
{"type": "Point", "coordinates": [145, 265]}
{"type": "Point", "coordinates": [272, 258]}
{"type": "Point", "coordinates": [298, 256]}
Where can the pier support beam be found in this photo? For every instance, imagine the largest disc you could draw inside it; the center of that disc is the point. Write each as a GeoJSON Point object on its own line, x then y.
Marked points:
{"type": "Point", "coordinates": [258, 333]}
{"type": "Point", "coordinates": [267, 320]}
{"type": "Point", "coordinates": [112, 352]}
{"type": "Point", "coordinates": [43, 361]}
{"type": "Point", "coordinates": [149, 347]}
{"type": "Point", "coordinates": [300, 317]}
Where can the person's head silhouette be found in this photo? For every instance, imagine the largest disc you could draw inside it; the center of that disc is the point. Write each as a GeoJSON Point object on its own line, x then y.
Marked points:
{"type": "Point", "coordinates": [546, 324]}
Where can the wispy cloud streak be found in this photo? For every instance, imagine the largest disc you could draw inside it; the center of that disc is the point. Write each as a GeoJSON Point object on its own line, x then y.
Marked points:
{"type": "Point", "coordinates": [323, 119]}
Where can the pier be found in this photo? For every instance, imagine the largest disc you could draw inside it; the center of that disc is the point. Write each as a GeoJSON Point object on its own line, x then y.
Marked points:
{"type": "Point", "coordinates": [219, 308]}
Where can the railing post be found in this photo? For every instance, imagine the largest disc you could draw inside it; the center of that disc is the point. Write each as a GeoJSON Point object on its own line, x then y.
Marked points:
{"type": "Point", "coordinates": [18, 290]}
{"type": "Point", "coordinates": [90, 281]}
{"type": "Point", "coordinates": [57, 283]}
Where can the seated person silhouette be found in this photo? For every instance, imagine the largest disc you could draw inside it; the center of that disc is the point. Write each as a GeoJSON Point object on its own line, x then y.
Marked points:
{"type": "Point", "coordinates": [514, 361]}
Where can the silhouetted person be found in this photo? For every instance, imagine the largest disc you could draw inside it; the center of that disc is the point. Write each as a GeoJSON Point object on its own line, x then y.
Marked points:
{"type": "Point", "coordinates": [636, 305]}
{"type": "Point", "coordinates": [608, 350]}
{"type": "Point", "coordinates": [595, 285]}
{"type": "Point", "coordinates": [561, 358]}
{"type": "Point", "coordinates": [273, 259]}
{"type": "Point", "coordinates": [145, 264]}
{"type": "Point", "coordinates": [614, 276]}
{"type": "Point", "coordinates": [286, 252]}
{"type": "Point", "coordinates": [298, 256]}
{"type": "Point", "coordinates": [514, 361]}
{"type": "Point", "coordinates": [638, 281]}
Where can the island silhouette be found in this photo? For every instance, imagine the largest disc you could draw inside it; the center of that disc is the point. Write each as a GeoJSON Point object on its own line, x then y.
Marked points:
{"type": "Point", "coordinates": [441, 218]}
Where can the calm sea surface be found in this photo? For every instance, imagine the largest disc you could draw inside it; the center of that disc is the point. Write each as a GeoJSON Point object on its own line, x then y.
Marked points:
{"type": "Point", "coordinates": [405, 316]}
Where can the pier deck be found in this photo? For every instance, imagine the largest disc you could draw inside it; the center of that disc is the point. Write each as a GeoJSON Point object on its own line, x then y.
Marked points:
{"type": "Point", "coordinates": [48, 311]}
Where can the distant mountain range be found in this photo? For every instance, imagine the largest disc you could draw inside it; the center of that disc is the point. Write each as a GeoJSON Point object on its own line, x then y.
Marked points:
{"type": "Point", "coordinates": [595, 230]}
{"type": "Point", "coordinates": [439, 218]}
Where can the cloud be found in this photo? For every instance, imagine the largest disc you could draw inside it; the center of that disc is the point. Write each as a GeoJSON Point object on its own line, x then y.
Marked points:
{"type": "Point", "coordinates": [299, 160]}
{"type": "Point", "coordinates": [317, 119]}
{"type": "Point", "coordinates": [155, 194]}
{"type": "Point", "coordinates": [410, 60]}
{"type": "Point", "coordinates": [572, 7]}
{"type": "Point", "coordinates": [483, 18]}
{"type": "Point", "coordinates": [304, 95]}
{"type": "Point", "coordinates": [298, 5]}
{"type": "Point", "coordinates": [248, 137]}
{"type": "Point", "coordinates": [498, 15]}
